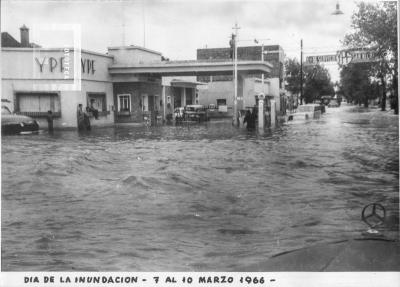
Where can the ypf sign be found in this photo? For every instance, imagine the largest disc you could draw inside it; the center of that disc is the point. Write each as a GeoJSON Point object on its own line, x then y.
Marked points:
{"type": "Point", "coordinates": [343, 57]}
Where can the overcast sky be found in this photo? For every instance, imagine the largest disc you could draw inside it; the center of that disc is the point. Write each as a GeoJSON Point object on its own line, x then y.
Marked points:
{"type": "Point", "coordinates": [176, 28]}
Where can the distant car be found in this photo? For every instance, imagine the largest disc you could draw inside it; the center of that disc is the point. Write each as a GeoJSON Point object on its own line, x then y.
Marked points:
{"type": "Point", "coordinates": [195, 113]}
{"type": "Point", "coordinates": [306, 112]}
{"type": "Point", "coordinates": [325, 100]}
{"type": "Point", "coordinates": [16, 124]}
{"type": "Point", "coordinates": [333, 103]}
{"type": "Point", "coordinates": [212, 107]}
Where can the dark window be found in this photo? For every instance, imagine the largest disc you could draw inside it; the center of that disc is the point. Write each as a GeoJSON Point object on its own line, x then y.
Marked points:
{"type": "Point", "coordinates": [124, 103]}
{"type": "Point", "coordinates": [97, 101]}
{"type": "Point", "coordinates": [221, 102]}
{"type": "Point", "coordinates": [189, 96]}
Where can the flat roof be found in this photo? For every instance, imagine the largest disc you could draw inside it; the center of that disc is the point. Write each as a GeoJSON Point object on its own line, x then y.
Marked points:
{"type": "Point", "coordinates": [133, 47]}
{"type": "Point", "coordinates": [269, 48]}
{"type": "Point", "coordinates": [192, 68]}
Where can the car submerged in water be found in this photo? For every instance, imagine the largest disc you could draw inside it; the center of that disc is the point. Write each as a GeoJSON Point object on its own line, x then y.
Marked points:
{"type": "Point", "coordinates": [306, 112]}
{"type": "Point", "coordinates": [191, 113]}
{"type": "Point", "coordinates": [333, 103]}
{"type": "Point", "coordinates": [16, 124]}
{"type": "Point", "coordinates": [196, 113]}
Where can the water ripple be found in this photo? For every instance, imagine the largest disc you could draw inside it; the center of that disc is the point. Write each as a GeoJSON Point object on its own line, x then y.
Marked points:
{"type": "Point", "coordinates": [189, 198]}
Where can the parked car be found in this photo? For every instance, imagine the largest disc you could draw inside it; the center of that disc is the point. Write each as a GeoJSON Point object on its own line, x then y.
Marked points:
{"type": "Point", "coordinates": [333, 103]}
{"type": "Point", "coordinates": [306, 112]}
{"type": "Point", "coordinates": [212, 107]}
{"type": "Point", "coordinates": [16, 124]}
{"type": "Point", "coordinates": [195, 113]}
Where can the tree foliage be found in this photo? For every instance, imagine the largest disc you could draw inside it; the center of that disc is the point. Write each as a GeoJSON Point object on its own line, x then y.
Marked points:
{"type": "Point", "coordinates": [316, 80]}
{"type": "Point", "coordinates": [375, 27]}
{"type": "Point", "coordinates": [317, 83]}
{"type": "Point", "coordinates": [292, 68]}
{"type": "Point", "coordinates": [356, 85]}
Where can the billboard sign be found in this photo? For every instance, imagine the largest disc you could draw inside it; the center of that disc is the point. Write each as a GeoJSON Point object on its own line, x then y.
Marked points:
{"type": "Point", "coordinates": [343, 57]}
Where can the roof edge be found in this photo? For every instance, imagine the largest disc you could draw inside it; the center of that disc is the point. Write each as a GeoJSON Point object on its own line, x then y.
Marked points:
{"type": "Point", "coordinates": [25, 49]}
{"type": "Point", "coordinates": [133, 47]}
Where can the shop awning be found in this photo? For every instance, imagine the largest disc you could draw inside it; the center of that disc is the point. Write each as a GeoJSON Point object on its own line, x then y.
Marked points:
{"type": "Point", "coordinates": [185, 83]}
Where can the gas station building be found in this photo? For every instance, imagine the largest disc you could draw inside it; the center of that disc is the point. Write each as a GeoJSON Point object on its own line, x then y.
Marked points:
{"type": "Point", "coordinates": [127, 84]}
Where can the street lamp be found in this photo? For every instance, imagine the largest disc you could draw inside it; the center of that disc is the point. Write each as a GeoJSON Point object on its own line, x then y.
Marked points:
{"type": "Point", "coordinates": [235, 115]}
{"type": "Point", "coordinates": [337, 10]}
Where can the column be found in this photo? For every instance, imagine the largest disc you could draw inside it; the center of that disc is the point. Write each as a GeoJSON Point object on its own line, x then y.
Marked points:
{"type": "Point", "coordinates": [261, 114]}
{"type": "Point", "coordinates": [183, 98]}
{"type": "Point", "coordinates": [164, 99]}
{"type": "Point", "coordinates": [273, 113]}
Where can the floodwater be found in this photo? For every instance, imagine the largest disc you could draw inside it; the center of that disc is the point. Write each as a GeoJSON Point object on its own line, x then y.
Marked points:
{"type": "Point", "coordinates": [207, 197]}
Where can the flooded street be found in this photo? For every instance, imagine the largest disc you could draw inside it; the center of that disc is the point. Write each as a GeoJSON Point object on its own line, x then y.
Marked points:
{"type": "Point", "coordinates": [200, 197]}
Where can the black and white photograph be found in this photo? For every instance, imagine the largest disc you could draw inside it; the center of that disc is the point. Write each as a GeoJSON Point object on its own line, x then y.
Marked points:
{"type": "Point", "coordinates": [199, 136]}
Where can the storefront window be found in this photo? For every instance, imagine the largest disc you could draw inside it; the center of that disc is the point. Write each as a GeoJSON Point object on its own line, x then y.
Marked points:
{"type": "Point", "coordinates": [38, 103]}
{"type": "Point", "coordinates": [124, 103]}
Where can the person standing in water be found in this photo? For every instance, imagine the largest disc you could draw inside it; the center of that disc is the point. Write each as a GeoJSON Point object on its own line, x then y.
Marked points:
{"type": "Point", "coordinates": [49, 118]}
{"type": "Point", "coordinates": [246, 119]}
{"type": "Point", "coordinates": [80, 117]}
{"type": "Point", "coordinates": [86, 119]}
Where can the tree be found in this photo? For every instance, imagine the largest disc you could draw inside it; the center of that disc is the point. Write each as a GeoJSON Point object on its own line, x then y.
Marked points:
{"type": "Point", "coordinates": [375, 27]}
{"type": "Point", "coordinates": [316, 80]}
{"type": "Point", "coordinates": [317, 83]}
{"type": "Point", "coordinates": [292, 68]}
{"type": "Point", "coordinates": [356, 83]}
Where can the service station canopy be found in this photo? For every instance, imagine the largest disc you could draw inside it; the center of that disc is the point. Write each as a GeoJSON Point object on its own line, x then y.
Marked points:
{"type": "Point", "coordinates": [193, 68]}
{"type": "Point", "coordinates": [344, 57]}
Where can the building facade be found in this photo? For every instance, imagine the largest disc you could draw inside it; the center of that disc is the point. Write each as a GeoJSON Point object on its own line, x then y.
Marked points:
{"type": "Point", "coordinates": [36, 80]}
{"type": "Point", "coordinates": [220, 89]}
{"type": "Point", "coordinates": [128, 84]}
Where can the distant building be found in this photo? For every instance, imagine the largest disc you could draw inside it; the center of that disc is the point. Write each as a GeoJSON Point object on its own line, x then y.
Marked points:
{"type": "Point", "coordinates": [8, 41]}
{"type": "Point", "coordinates": [220, 88]}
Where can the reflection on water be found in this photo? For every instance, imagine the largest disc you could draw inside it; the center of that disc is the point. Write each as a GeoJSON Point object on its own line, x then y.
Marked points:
{"type": "Point", "coordinates": [199, 197]}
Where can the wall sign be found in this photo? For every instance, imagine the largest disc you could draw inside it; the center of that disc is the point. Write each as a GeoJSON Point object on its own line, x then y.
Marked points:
{"type": "Point", "coordinates": [60, 64]}
{"type": "Point", "coordinates": [87, 66]}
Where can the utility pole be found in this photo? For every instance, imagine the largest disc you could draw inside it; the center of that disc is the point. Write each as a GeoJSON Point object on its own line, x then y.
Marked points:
{"type": "Point", "coordinates": [262, 60]}
{"type": "Point", "coordinates": [301, 71]}
{"type": "Point", "coordinates": [123, 28]}
{"type": "Point", "coordinates": [144, 25]}
{"type": "Point", "coordinates": [235, 115]}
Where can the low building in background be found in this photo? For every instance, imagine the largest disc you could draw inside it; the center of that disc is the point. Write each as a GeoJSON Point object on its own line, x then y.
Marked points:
{"type": "Point", "coordinates": [220, 88]}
